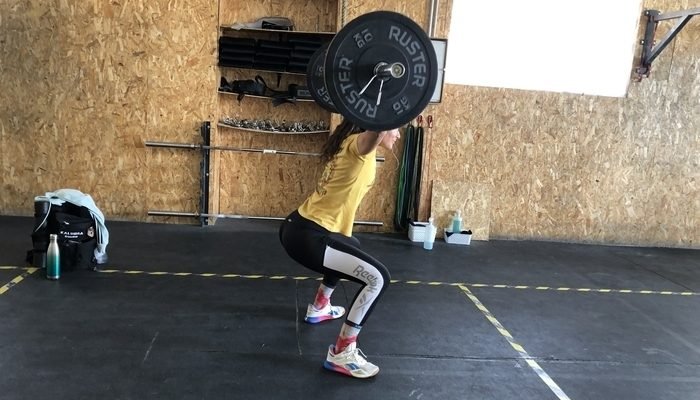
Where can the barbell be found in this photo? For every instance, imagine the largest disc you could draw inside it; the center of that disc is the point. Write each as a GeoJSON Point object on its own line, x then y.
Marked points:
{"type": "Point", "coordinates": [379, 71]}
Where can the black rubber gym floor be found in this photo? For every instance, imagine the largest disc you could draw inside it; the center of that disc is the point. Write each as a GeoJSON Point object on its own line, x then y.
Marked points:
{"type": "Point", "coordinates": [184, 312]}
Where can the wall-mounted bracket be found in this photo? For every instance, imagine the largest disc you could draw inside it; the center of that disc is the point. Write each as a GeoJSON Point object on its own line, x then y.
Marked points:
{"type": "Point", "coordinates": [649, 52]}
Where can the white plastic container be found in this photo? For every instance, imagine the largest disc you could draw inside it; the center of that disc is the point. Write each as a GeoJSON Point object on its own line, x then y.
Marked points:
{"type": "Point", "coordinates": [463, 237]}
{"type": "Point", "coordinates": [416, 231]}
{"type": "Point", "coordinates": [430, 232]}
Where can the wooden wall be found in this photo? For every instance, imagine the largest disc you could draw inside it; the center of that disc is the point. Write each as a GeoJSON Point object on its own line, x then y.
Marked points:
{"type": "Point", "coordinates": [266, 184]}
{"type": "Point", "coordinates": [581, 168]}
{"type": "Point", "coordinates": [85, 84]}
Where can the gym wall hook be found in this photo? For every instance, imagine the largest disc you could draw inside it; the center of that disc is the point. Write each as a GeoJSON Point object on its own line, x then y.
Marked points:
{"type": "Point", "coordinates": [649, 52]}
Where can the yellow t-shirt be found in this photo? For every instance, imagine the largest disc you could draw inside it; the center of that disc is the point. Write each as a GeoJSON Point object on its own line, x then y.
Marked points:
{"type": "Point", "coordinates": [346, 179]}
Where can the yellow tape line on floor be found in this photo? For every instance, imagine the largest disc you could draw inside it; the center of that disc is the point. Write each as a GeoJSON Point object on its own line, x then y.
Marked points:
{"type": "Point", "coordinates": [415, 282]}
{"type": "Point", "coordinates": [396, 281]}
{"type": "Point", "coordinates": [517, 347]}
{"type": "Point", "coordinates": [17, 279]}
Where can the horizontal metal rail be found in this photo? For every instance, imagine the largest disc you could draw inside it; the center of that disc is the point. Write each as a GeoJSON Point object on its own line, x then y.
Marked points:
{"type": "Point", "coordinates": [237, 216]}
{"type": "Point", "coordinates": [194, 146]}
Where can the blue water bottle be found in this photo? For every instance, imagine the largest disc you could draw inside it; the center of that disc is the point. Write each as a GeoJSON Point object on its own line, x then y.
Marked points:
{"type": "Point", "coordinates": [53, 259]}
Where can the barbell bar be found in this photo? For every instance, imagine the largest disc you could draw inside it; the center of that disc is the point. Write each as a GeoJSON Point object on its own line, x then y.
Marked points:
{"type": "Point", "coordinates": [193, 146]}
{"type": "Point", "coordinates": [226, 148]}
{"type": "Point", "coordinates": [237, 216]}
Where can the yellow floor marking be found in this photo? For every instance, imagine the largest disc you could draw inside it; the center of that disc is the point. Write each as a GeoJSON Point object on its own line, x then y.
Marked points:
{"type": "Point", "coordinates": [17, 279]}
{"type": "Point", "coordinates": [395, 281]}
{"type": "Point", "coordinates": [521, 351]}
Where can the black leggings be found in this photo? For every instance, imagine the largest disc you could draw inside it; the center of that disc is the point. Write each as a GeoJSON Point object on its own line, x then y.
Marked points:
{"type": "Point", "coordinates": [336, 256]}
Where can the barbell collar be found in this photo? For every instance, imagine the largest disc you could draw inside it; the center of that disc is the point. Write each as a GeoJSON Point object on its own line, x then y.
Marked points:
{"type": "Point", "coordinates": [394, 70]}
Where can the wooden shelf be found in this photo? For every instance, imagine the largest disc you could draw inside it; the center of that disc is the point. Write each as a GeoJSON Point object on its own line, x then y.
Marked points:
{"type": "Point", "coordinates": [228, 29]}
{"type": "Point", "coordinates": [222, 125]}
{"type": "Point", "coordinates": [261, 97]}
{"type": "Point", "coordinates": [272, 71]}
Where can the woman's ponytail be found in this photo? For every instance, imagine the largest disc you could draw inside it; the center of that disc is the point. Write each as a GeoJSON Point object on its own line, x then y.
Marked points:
{"type": "Point", "coordinates": [332, 145]}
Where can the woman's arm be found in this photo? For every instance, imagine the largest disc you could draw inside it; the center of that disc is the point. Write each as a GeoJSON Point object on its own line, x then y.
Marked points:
{"type": "Point", "coordinates": [368, 141]}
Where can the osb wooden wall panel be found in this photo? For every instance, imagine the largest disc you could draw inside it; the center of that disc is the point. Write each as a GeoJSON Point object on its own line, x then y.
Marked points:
{"type": "Point", "coordinates": [181, 47]}
{"type": "Point", "coordinates": [470, 200]}
{"type": "Point", "coordinates": [85, 84]}
{"type": "Point", "coordinates": [249, 182]}
{"type": "Point", "coordinates": [265, 185]}
{"type": "Point", "coordinates": [582, 168]}
{"type": "Point", "coordinates": [67, 121]}
{"type": "Point", "coordinates": [380, 202]}
{"type": "Point", "coordinates": [307, 15]}
{"type": "Point", "coordinates": [274, 185]}
{"type": "Point", "coordinates": [258, 184]}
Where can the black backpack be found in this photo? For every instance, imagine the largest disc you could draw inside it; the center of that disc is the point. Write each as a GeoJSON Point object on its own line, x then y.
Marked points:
{"type": "Point", "coordinates": [76, 232]}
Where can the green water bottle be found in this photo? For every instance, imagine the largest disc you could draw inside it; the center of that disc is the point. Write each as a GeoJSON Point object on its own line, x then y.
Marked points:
{"type": "Point", "coordinates": [53, 259]}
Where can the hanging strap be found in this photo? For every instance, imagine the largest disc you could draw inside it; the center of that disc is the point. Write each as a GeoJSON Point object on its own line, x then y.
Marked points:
{"type": "Point", "coordinates": [405, 177]}
{"type": "Point", "coordinates": [417, 170]}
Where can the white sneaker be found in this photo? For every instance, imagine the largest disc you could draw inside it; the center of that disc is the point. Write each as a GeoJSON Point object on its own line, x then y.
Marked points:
{"type": "Point", "coordinates": [351, 361]}
{"type": "Point", "coordinates": [314, 316]}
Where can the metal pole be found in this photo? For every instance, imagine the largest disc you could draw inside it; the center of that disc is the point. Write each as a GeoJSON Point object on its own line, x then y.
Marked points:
{"type": "Point", "coordinates": [226, 148]}
{"type": "Point", "coordinates": [432, 17]}
{"type": "Point", "coordinates": [193, 146]}
{"type": "Point", "coordinates": [205, 131]}
{"type": "Point", "coordinates": [237, 216]}
{"type": "Point", "coordinates": [342, 14]}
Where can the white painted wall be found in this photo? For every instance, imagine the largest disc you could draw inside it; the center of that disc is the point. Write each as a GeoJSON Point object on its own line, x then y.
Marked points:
{"type": "Point", "coordinates": [573, 46]}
